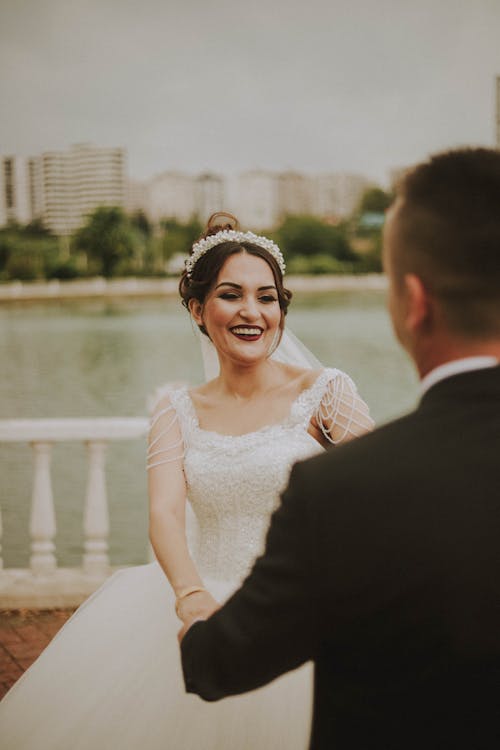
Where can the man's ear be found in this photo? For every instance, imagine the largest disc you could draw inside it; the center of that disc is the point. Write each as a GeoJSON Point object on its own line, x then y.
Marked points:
{"type": "Point", "coordinates": [418, 304]}
{"type": "Point", "coordinates": [196, 309]}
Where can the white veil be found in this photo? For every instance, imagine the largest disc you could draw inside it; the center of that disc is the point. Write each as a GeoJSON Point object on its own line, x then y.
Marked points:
{"type": "Point", "coordinates": [291, 351]}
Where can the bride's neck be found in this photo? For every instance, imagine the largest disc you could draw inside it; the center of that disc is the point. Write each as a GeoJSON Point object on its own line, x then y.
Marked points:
{"type": "Point", "coordinates": [244, 382]}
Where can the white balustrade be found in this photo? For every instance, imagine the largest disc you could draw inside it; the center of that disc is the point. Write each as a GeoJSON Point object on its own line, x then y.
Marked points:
{"type": "Point", "coordinates": [96, 519]}
{"type": "Point", "coordinates": [43, 519]}
{"type": "Point", "coordinates": [45, 584]}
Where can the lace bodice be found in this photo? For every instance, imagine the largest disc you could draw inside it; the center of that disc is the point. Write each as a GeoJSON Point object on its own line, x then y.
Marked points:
{"type": "Point", "coordinates": [234, 482]}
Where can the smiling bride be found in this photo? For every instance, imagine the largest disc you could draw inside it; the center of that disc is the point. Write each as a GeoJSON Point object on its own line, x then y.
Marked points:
{"type": "Point", "coordinates": [112, 677]}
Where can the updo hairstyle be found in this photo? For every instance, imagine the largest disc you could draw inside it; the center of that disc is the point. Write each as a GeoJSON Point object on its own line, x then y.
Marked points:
{"type": "Point", "coordinates": [207, 268]}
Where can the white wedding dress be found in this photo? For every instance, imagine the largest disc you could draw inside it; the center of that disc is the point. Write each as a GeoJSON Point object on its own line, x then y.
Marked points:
{"type": "Point", "coordinates": [111, 678]}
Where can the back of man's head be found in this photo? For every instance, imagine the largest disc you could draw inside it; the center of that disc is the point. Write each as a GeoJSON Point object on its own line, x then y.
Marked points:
{"type": "Point", "coordinates": [448, 233]}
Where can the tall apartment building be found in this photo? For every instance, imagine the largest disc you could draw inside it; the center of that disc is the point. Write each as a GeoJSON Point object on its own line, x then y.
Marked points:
{"type": "Point", "coordinates": [136, 196]}
{"type": "Point", "coordinates": [261, 199]}
{"type": "Point", "coordinates": [66, 186]}
{"type": "Point", "coordinates": [15, 203]}
{"type": "Point", "coordinates": [209, 195]}
{"type": "Point", "coordinates": [257, 202]}
{"type": "Point", "coordinates": [328, 196]}
{"type": "Point", "coordinates": [498, 110]}
{"type": "Point", "coordinates": [175, 195]}
{"type": "Point", "coordinates": [264, 199]}
{"type": "Point", "coordinates": [50, 187]}
{"type": "Point", "coordinates": [171, 195]}
{"type": "Point", "coordinates": [98, 177]}
{"type": "Point", "coordinates": [294, 194]}
{"type": "Point", "coordinates": [325, 196]}
{"type": "Point", "coordinates": [338, 194]}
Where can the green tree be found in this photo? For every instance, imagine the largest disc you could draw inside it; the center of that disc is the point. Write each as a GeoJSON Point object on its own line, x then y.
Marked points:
{"type": "Point", "coordinates": [307, 236]}
{"type": "Point", "coordinates": [178, 237]}
{"type": "Point", "coordinates": [140, 221]}
{"type": "Point", "coordinates": [371, 261]}
{"type": "Point", "coordinates": [367, 223]}
{"type": "Point", "coordinates": [36, 228]}
{"type": "Point", "coordinates": [109, 240]}
{"type": "Point", "coordinates": [26, 255]}
{"type": "Point", "coordinates": [374, 200]}
{"type": "Point", "coordinates": [145, 242]}
{"type": "Point", "coordinates": [319, 264]}
{"type": "Point", "coordinates": [5, 252]}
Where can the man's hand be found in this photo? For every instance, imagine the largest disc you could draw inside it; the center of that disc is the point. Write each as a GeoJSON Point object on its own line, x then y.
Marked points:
{"type": "Point", "coordinates": [199, 605]}
{"type": "Point", "coordinates": [182, 632]}
{"type": "Point", "coordinates": [195, 607]}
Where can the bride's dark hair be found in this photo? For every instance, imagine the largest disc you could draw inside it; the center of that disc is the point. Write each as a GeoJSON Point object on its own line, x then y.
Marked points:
{"type": "Point", "coordinates": [207, 268]}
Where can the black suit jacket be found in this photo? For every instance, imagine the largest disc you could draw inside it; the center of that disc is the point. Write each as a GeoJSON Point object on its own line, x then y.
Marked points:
{"type": "Point", "coordinates": [383, 566]}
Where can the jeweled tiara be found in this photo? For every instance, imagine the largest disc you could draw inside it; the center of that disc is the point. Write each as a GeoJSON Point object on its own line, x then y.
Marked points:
{"type": "Point", "coordinates": [231, 235]}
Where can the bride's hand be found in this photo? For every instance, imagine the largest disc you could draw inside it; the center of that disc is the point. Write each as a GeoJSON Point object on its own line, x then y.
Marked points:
{"type": "Point", "coordinates": [198, 606]}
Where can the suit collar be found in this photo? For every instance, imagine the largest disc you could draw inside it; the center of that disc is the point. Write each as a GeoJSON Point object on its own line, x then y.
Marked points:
{"type": "Point", "coordinates": [463, 386]}
{"type": "Point", "coordinates": [446, 370]}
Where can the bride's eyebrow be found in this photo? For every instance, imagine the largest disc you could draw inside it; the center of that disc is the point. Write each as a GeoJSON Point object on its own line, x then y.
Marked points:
{"type": "Point", "coordinates": [238, 286]}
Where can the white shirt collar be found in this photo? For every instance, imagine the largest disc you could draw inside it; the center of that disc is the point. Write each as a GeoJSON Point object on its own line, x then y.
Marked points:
{"type": "Point", "coordinates": [456, 366]}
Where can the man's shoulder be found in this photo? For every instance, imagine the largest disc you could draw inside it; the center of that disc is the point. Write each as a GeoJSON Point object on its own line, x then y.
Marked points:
{"type": "Point", "coordinates": [368, 453]}
{"type": "Point", "coordinates": [350, 481]}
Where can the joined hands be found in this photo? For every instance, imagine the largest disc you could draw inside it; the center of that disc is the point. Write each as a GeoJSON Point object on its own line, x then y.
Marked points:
{"type": "Point", "coordinates": [198, 606]}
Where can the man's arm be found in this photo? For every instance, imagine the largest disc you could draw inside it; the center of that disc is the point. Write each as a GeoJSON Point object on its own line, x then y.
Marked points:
{"type": "Point", "coordinates": [268, 626]}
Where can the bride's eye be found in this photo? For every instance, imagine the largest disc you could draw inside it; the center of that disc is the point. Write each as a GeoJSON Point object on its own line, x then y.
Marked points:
{"type": "Point", "coordinates": [228, 295]}
{"type": "Point", "coordinates": [268, 298]}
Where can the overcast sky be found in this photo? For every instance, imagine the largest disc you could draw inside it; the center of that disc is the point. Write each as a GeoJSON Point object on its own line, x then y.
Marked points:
{"type": "Point", "coordinates": [318, 86]}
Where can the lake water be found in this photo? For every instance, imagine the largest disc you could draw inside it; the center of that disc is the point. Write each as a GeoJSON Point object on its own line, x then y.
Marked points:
{"type": "Point", "coordinates": [103, 358]}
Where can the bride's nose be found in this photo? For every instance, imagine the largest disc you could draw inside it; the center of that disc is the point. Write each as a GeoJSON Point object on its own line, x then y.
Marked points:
{"type": "Point", "coordinates": [249, 309]}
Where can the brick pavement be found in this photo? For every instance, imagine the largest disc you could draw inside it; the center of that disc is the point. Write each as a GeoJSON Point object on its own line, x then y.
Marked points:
{"type": "Point", "coordinates": [23, 636]}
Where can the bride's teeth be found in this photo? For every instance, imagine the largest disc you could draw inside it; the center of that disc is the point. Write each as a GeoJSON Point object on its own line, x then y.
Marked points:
{"type": "Point", "coordinates": [247, 331]}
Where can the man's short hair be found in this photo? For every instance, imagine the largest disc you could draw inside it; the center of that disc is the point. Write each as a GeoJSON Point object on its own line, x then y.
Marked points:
{"type": "Point", "coordinates": [449, 235]}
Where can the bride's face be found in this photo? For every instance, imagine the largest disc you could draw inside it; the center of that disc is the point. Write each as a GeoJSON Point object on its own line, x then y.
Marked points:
{"type": "Point", "coordinates": [241, 313]}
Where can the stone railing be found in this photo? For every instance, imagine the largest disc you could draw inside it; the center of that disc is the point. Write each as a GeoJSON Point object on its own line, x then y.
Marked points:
{"type": "Point", "coordinates": [97, 287]}
{"type": "Point", "coordinates": [44, 584]}
{"type": "Point", "coordinates": [134, 287]}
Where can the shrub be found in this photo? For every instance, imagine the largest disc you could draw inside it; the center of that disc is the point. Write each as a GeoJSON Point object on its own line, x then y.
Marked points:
{"type": "Point", "coordinates": [319, 264]}
{"type": "Point", "coordinates": [66, 270]}
{"type": "Point", "coordinates": [307, 235]}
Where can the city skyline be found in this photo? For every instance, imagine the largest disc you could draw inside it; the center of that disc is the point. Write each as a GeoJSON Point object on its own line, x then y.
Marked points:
{"type": "Point", "coordinates": [329, 87]}
{"type": "Point", "coordinates": [62, 188]}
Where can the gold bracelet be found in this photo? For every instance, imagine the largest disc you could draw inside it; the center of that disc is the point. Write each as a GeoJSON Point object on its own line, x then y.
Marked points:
{"type": "Point", "coordinates": [186, 592]}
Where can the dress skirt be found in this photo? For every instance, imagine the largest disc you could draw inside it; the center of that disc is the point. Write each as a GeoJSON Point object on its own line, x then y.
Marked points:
{"type": "Point", "coordinates": [112, 679]}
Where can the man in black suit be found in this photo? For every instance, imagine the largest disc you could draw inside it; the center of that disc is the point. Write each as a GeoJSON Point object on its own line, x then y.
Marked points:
{"type": "Point", "coordinates": [383, 562]}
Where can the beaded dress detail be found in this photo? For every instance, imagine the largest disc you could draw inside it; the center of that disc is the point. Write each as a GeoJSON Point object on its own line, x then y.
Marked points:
{"type": "Point", "coordinates": [234, 482]}
{"type": "Point", "coordinates": [112, 676]}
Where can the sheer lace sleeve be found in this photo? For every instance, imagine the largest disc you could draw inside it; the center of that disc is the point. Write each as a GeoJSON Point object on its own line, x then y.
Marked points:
{"type": "Point", "coordinates": [165, 443]}
{"type": "Point", "coordinates": [342, 414]}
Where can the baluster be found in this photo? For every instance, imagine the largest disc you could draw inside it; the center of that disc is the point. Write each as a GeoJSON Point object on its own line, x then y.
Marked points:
{"type": "Point", "coordinates": [96, 520]}
{"type": "Point", "coordinates": [43, 519]}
